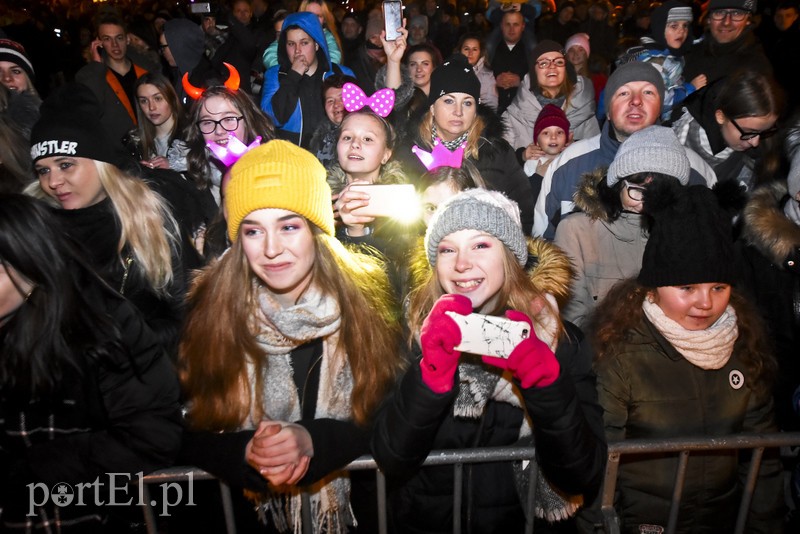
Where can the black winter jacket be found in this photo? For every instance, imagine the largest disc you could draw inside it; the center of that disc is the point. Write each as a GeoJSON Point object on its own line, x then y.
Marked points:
{"type": "Point", "coordinates": [568, 430]}
{"type": "Point", "coordinates": [119, 416]}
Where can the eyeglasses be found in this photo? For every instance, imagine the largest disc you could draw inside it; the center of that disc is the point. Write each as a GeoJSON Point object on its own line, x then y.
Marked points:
{"type": "Point", "coordinates": [228, 124]}
{"type": "Point", "coordinates": [736, 15]}
{"type": "Point", "coordinates": [635, 192]}
{"type": "Point", "coordinates": [746, 136]}
{"type": "Point", "coordinates": [162, 47]}
{"type": "Point", "coordinates": [545, 63]}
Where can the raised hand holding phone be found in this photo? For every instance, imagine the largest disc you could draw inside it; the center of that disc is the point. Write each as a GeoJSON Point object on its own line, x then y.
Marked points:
{"type": "Point", "coordinates": [439, 336]}
{"type": "Point", "coordinates": [531, 362]}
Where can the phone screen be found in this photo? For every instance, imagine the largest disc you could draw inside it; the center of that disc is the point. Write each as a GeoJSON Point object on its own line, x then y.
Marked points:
{"type": "Point", "coordinates": [393, 19]}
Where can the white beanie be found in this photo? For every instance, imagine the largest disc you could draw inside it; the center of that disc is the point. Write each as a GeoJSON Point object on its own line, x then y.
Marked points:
{"type": "Point", "coordinates": [580, 39]}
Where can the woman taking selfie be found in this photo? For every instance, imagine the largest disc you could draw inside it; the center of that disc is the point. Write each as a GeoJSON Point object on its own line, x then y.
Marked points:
{"type": "Point", "coordinates": [290, 344]}
{"type": "Point", "coordinates": [454, 120]}
{"type": "Point", "coordinates": [86, 390]}
{"type": "Point", "coordinates": [543, 393]}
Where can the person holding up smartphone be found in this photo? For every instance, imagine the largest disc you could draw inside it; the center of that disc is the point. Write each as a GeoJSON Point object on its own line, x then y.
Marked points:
{"type": "Point", "coordinates": [542, 392]}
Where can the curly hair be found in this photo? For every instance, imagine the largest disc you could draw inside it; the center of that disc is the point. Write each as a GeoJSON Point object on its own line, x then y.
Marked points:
{"type": "Point", "coordinates": [621, 311]}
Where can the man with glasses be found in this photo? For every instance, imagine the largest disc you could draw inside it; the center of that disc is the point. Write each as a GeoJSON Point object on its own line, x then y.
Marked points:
{"type": "Point", "coordinates": [728, 43]}
{"type": "Point", "coordinates": [633, 97]}
{"type": "Point", "coordinates": [112, 75]}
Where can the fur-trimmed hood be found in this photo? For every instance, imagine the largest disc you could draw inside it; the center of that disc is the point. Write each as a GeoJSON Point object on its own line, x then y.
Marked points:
{"type": "Point", "coordinates": [587, 198]}
{"type": "Point", "coordinates": [548, 266]}
{"type": "Point", "coordinates": [768, 230]}
{"type": "Point", "coordinates": [391, 173]}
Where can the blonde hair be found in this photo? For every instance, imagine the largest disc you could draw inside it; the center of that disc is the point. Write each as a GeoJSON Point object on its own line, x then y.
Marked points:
{"type": "Point", "coordinates": [219, 341]}
{"type": "Point", "coordinates": [517, 292]}
{"type": "Point", "coordinates": [146, 223]}
{"type": "Point", "coordinates": [330, 20]}
{"type": "Point", "coordinates": [473, 137]}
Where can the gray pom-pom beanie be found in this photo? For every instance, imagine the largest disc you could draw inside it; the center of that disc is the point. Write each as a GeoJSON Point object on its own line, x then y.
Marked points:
{"type": "Point", "coordinates": [482, 210]}
{"type": "Point", "coordinates": [653, 149]}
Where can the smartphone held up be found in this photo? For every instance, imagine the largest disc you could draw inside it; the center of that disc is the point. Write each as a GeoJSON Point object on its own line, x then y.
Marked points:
{"type": "Point", "coordinates": [488, 335]}
{"type": "Point", "coordinates": [392, 18]}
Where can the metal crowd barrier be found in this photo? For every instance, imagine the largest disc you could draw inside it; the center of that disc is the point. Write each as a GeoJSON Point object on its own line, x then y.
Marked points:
{"type": "Point", "coordinates": [458, 458]}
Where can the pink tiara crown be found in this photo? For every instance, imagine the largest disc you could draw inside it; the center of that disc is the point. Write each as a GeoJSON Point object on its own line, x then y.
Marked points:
{"type": "Point", "coordinates": [234, 150]}
{"type": "Point", "coordinates": [440, 156]}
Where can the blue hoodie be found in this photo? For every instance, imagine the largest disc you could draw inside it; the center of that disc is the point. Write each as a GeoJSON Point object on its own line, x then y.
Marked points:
{"type": "Point", "coordinates": [300, 89]}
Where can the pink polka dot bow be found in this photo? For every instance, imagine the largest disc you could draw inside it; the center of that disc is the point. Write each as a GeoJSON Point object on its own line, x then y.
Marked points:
{"type": "Point", "coordinates": [354, 99]}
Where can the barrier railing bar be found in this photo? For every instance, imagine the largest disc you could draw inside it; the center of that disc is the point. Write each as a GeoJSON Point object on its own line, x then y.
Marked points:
{"type": "Point", "coordinates": [382, 509]}
{"type": "Point", "coordinates": [610, 522]}
{"type": "Point", "coordinates": [677, 492]}
{"type": "Point", "coordinates": [457, 458]}
{"type": "Point", "coordinates": [227, 507]}
{"type": "Point", "coordinates": [749, 489]}
{"type": "Point", "coordinates": [149, 515]}
{"type": "Point", "coordinates": [458, 486]}
{"type": "Point", "coordinates": [533, 477]}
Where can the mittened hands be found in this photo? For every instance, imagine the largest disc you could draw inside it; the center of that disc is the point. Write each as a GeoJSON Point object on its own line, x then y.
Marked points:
{"type": "Point", "coordinates": [531, 362]}
{"type": "Point", "coordinates": [439, 336]}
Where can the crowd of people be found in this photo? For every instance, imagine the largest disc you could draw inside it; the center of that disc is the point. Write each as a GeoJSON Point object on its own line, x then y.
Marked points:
{"type": "Point", "coordinates": [197, 266]}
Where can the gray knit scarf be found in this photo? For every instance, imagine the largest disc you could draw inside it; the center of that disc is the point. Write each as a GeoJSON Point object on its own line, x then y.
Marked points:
{"type": "Point", "coordinates": [477, 385]}
{"type": "Point", "coordinates": [282, 330]}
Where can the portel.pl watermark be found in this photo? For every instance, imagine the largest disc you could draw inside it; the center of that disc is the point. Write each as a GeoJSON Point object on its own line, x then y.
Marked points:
{"type": "Point", "coordinates": [118, 492]}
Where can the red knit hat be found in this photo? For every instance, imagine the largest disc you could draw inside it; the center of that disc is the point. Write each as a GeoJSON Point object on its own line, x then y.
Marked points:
{"type": "Point", "coordinates": [551, 115]}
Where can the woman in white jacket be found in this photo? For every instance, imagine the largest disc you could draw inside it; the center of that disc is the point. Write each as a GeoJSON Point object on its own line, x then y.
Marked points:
{"type": "Point", "coordinates": [551, 80]}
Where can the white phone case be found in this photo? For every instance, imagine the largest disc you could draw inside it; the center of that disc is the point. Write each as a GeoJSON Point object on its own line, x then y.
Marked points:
{"type": "Point", "coordinates": [393, 18]}
{"type": "Point", "coordinates": [488, 335]}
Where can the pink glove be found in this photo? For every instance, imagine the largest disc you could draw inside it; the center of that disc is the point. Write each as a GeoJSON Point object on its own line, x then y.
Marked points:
{"type": "Point", "coordinates": [531, 362]}
{"type": "Point", "coordinates": [439, 335]}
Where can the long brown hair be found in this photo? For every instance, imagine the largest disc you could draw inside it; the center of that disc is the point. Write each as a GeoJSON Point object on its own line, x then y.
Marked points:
{"type": "Point", "coordinates": [219, 340]}
{"type": "Point", "coordinates": [621, 311]}
{"type": "Point", "coordinates": [147, 131]}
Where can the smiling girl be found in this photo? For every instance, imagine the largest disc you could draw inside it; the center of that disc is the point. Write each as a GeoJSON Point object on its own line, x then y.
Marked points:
{"type": "Point", "coordinates": [219, 112]}
{"type": "Point", "coordinates": [289, 347]}
{"type": "Point", "coordinates": [543, 392]}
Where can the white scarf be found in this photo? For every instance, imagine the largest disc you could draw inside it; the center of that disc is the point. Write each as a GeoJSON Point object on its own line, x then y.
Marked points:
{"type": "Point", "coordinates": [281, 331]}
{"type": "Point", "coordinates": [707, 349]}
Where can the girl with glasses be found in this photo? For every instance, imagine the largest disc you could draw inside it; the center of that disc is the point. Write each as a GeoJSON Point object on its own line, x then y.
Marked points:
{"type": "Point", "coordinates": [551, 80]}
{"type": "Point", "coordinates": [605, 239]}
{"type": "Point", "coordinates": [218, 113]}
{"type": "Point", "coordinates": [731, 127]}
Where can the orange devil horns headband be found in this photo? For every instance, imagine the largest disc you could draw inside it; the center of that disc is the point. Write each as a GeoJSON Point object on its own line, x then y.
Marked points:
{"type": "Point", "coordinates": [231, 83]}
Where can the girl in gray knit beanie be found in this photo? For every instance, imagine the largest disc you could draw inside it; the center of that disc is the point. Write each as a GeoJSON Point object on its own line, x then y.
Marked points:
{"type": "Point", "coordinates": [478, 252]}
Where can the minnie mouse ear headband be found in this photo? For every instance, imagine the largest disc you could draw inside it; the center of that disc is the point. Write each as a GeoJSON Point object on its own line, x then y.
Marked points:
{"type": "Point", "coordinates": [354, 99]}
{"type": "Point", "coordinates": [232, 83]}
